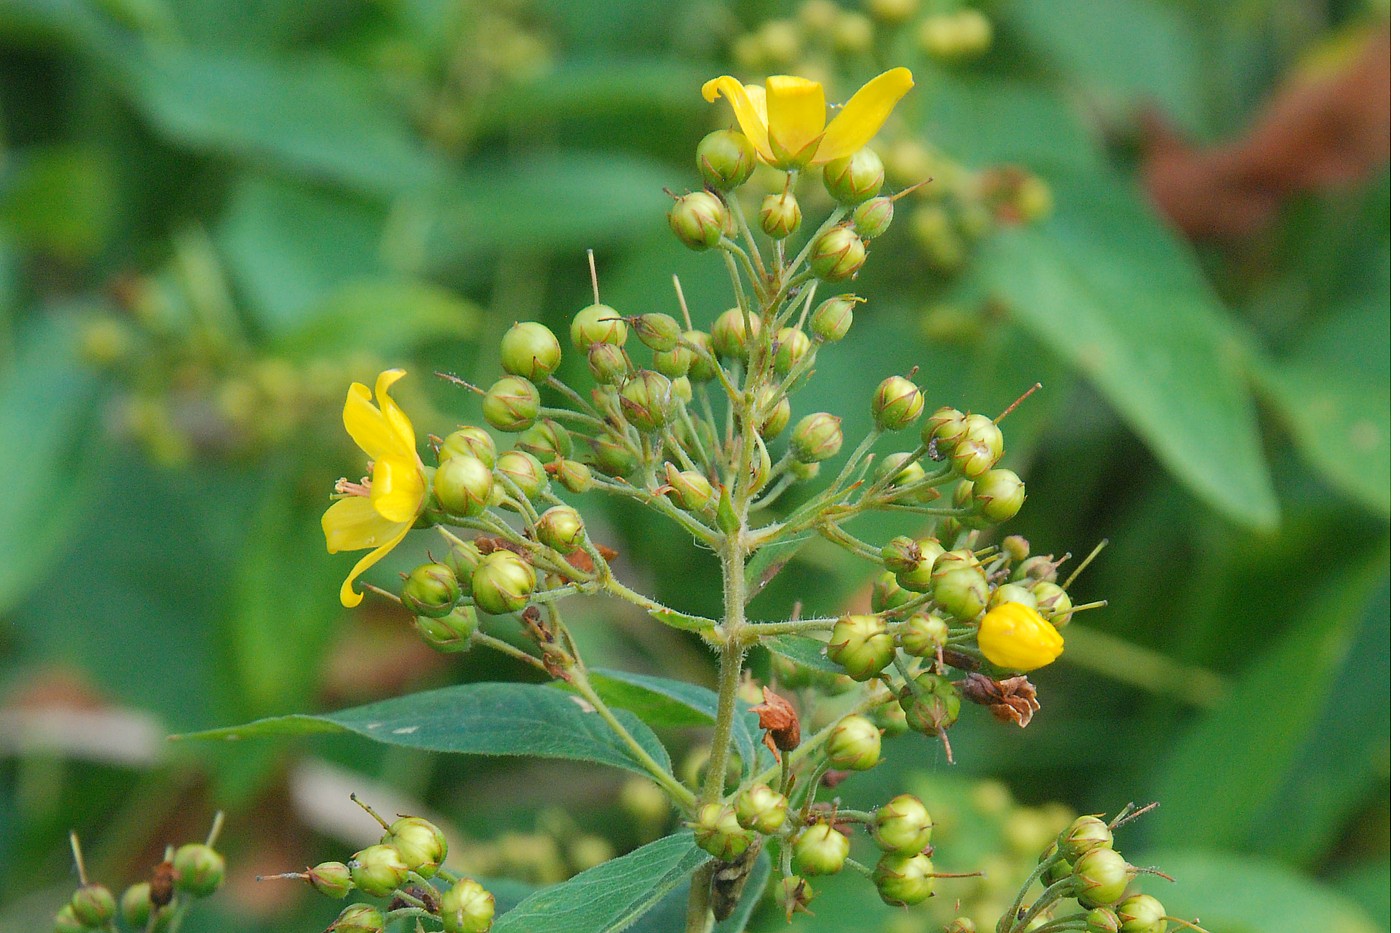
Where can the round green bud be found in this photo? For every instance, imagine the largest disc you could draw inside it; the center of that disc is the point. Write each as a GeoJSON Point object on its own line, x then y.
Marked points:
{"type": "Point", "coordinates": [922, 634]}
{"type": "Point", "coordinates": [467, 907]}
{"type": "Point", "coordinates": [462, 485]}
{"type": "Point", "coordinates": [902, 826]}
{"type": "Point", "coordinates": [718, 832]}
{"type": "Point", "coordinates": [789, 347]}
{"type": "Point", "coordinates": [793, 894]}
{"type": "Point", "coordinates": [761, 808]}
{"type": "Point", "coordinates": [779, 215]}
{"type": "Point", "coordinates": [66, 922]}
{"type": "Point", "coordinates": [331, 879]}
{"type": "Point", "coordinates": [774, 409]}
{"type": "Point", "coordinates": [699, 220]}
{"type": "Point", "coordinates": [816, 437]}
{"type": "Point", "coordinates": [608, 363]}
{"type": "Point", "coordinates": [833, 317]}
{"type": "Point", "coordinates": [729, 336]}
{"type": "Point", "coordinates": [725, 159]}
{"type": "Point", "coordinates": [674, 363]}
{"type": "Point", "coordinates": [1011, 593]}
{"type": "Point", "coordinates": [999, 494]}
{"type": "Point", "coordinates": [1053, 603]}
{"type": "Point", "coordinates": [703, 367]}
{"type": "Point", "coordinates": [900, 555]}
{"type": "Point", "coordinates": [931, 703]}
{"type": "Point", "coordinates": [689, 490]}
{"type": "Point", "coordinates": [470, 441]}
{"type": "Point", "coordinates": [421, 844]}
{"type": "Point", "coordinates": [1032, 570]}
{"type": "Point", "coordinates": [861, 644]}
{"type": "Point", "coordinates": [531, 350]}
{"type": "Point", "coordinates": [889, 717]}
{"type": "Point", "coordinates": [574, 476]}
{"type": "Point", "coordinates": [897, 403]}
{"type": "Point", "coordinates": [449, 634]}
{"type": "Point", "coordinates": [463, 557]}
{"type": "Point", "coordinates": [612, 457]}
{"type": "Point", "coordinates": [511, 404]}
{"type": "Point", "coordinates": [681, 389]}
{"type": "Point", "coordinates": [803, 471]}
{"type": "Point", "coordinates": [1016, 547]}
{"type": "Point", "coordinates": [959, 586]}
{"type": "Point", "coordinates": [199, 870]}
{"type": "Point", "coordinates": [503, 583]}
{"type": "Point", "coordinates": [961, 925]}
{"type": "Point", "coordinates": [561, 529]}
{"type": "Point", "coordinates": [378, 870]}
{"type": "Point", "coordinates": [917, 577]}
{"type": "Point", "coordinates": [944, 429]}
{"type": "Point", "coordinates": [1142, 913]}
{"type": "Point", "coordinates": [1083, 836]}
{"type": "Point", "coordinates": [358, 918]}
{"type": "Point", "coordinates": [904, 880]}
{"type": "Point", "coordinates": [658, 332]}
{"type": "Point", "coordinates": [887, 595]}
{"type": "Point", "coordinates": [597, 323]}
{"type": "Point", "coordinates": [1101, 919]}
{"type": "Point", "coordinates": [900, 473]}
{"type": "Point", "coordinates": [646, 400]}
{"type": "Point", "coordinates": [546, 440]}
{"type": "Point", "coordinates": [984, 431]}
{"type": "Point", "coordinates": [431, 590]}
{"type": "Point", "coordinates": [1100, 877]}
{"type": "Point", "coordinates": [522, 469]}
{"type": "Point", "coordinates": [93, 905]}
{"type": "Point", "coordinates": [856, 178]}
{"type": "Point", "coordinates": [837, 254]}
{"type": "Point", "coordinates": [854, 744]}
{"type": "Point", "coordinates": [872, 218]}
{"type": "Point", "coordinates": [820, 849]}
{"type": "Point", "coordinates": [136, 907]}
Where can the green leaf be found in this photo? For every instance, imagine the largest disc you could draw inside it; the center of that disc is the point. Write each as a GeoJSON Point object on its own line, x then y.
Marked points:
{"type": "Point", "coordinates": [767, 564]}
{"type": "Point", "coordinates": [389, 316]}
{"type": "Point", "coordinates": [475, 719]}
{"type": "Point", "coordinates": [1235, 894]}
{"type": "Point", "coordinates": [1107, 287]}
{"type": "Point", "coordinates": [805, 651]}
{"type": "Point", "coordinates": [612, 896]}
{"type": "Point", "coordinates": [660, 701]}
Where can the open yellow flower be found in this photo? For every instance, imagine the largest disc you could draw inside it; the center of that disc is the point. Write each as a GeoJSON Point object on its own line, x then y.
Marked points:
{"type": "Point", "coordinates": [1016, 637]}
{"type": "Point", "coordinates": [786, 119]}
{"type": "Point", "coordinates": [376, 512]}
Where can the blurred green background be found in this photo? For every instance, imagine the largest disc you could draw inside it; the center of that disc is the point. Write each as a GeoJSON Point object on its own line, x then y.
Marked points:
{"type": "Point", "coordinates": [215, 215]}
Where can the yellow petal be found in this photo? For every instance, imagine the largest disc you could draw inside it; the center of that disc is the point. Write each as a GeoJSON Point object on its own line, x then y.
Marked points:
{"type": "Point", "coordinates": [353, 524]}
{"type": "Point", "coordinates": [398, 422]}
{"type": "Point", "coordinates": [397, 488]}
{"type": "Point", "coordinates": [348, 597]}
{"type": "Point", "coordinates": [367, 425]}
{"type": "Point", "coordinates": [751, 123]}
{"type": "Point", "coordinates": [796, 116]}
{"type": "Point", "coordinates": [864, 114]}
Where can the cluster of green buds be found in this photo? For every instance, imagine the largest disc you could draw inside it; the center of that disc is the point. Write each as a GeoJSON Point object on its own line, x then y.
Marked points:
{"type": "Point", "coordinates": [188, 873]}
{"type": "Point", "coordinates": [405, 869]}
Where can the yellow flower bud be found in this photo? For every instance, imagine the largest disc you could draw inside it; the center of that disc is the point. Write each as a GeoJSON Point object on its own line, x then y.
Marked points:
{"type": "Point", "coordinates": [1014, 636]}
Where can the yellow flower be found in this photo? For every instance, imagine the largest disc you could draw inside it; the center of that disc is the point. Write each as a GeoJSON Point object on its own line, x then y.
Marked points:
{"type": "Point", "coordinates": [1014, 636]}
{"type": "Point", "coordinates": [377, 512]}
{"type": "Point", "coordinates": [786, 121]}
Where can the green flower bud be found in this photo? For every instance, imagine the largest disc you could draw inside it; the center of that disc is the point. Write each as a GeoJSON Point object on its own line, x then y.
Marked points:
{"type": "Point", "coordinates": [1011, 593]}
{"type": "Point", "coordinates": [1053, 603]}
{"type": "Point", "coordinates": [702, 364]}
{"type": "Point", "coordinates": [900, 555]}
{"type": "Point", "coordinates": [358, 918]}
{"type": "Point", "coordinates": [689, 490]}
{"type": "Point", "coordinates": [199, 870]}
{"type": "Point", "coordinates": [331, 879]}
{"type": "Point", "coordinates": [944, 429]}
{"type": "Point", "coordinates": [658, 332]}
{"type": "Point", "coordinates": [65, 921]}
{"type": "Point", "coordinates": [573, 476]}
{"type": "Point", "coordinates": [789, 346]}
{"type": "Point", "coordinates": [378, 870]}
{"type": "Point", "coordinates": [837, 254]}
{"type": "Point", "coordinates": [1100, 919]}
{"type": "Point", "coordinates": [887, 595]}
{"type": "Point", "coordinates": [960, 585]}
{"type": "Point", "coordinates": [793, 894]}
{"type": "Point", "coordinates": [1083, 836]}
{"type": "Point", "coordinates": [502, 583]}
{"type": "Point", "coordinates": [463, 557]}
{"type": "Point", "coordinates": [682, 391]}
{"type": "Point", "coordinates": [931, 703]}
{"type": "Point", "coordinates": [608, 363]}
{"type": "Point", "coordinates": [897, 403]}
{"type": "Point", "coordinates": [93, 905]}
{"type": "Point", "coordinates": [612, 457]}
{"type": "Point", "coordinates": [922, 634]}
{"type": "Point", "coordinates": [136, 908]}
{"type": "Point", "coordinates": [856, 178]}
{"type": "Point", "coordinates": [449, 634]}
{"type": "Point", "coordinates": [902, 826]}
{"type": "Point", "coordinates": [421, 844]}
{"type": "Point", "coordinates": [961, 925]}
{"type": "Point", "coordinates": [1142, 913]}
{"type": "Point", "coordinates": [903, 880]}
{"type": "Point", "coordinates": [470, 441]}
{"type": "Point", "coordinates": [1100, 877]}
{"type": "Point", "coordinates": [597, 324]}
{"type": "Point", "coordinates": [833, 317]}
{"type": "Point", "coordinates": [531, 350]}
{"type": "Point", "coordinates": [972, 458]}
{"type": "Point", "coordinates": [546, 440]}
{"type": "Point", "coordinates": [718, 832]}
{"type": "Point", "coordinates": [803, 471]}
{"type": "Point", "coordinates": [779, 215]}
{"type": "Point", "coordinates": [900, 476]}
{"type": "Point", "coordinates": [561, 528]}
{"type": "Point", "coordinates": [725, 159]}
{"type": "Point", "coordinates": [462, 485]}
{"type": "Point", "coordinates": [872, 218]}
{"type": "Point", "coordinates": [999, 494]}
{"type": "Point", "coordinates": [854, 744]}
{"type": "Point", "coordinates": [647, 401]}
{"type": "Point", "coordinates": [761, 808]}
{"type": "Point", "coordinates": [984, 430]}
{"type": "Point", "coordinates": [699, 220]}
{"type": "Point", "coordinates": [467, 907]}
{"type": "Point", "coordinates": [527, 473]}
{"type": "Point", "coordinates": [820, 849]}
{"type": "Point", "coordinates": [512, 404]}
{"type": "Point", "coordinates": [778, 411]}
{"type": "Point", "coordinates": [729, 336]}
{"type": "Point", "coordinates": [861, 644]}
{"type": "Point", "coordinates": [431, 590]}
{"type": "Point", "coordinates": [674, 363]}
{"type": "Point", "coordinates": [889, 717]}
{"type": "Point", "coordinates": [917, 578]}
{"type": "Point", "coordinates": [1016, 547]}
{"type": "Point", "coordinates": [816, 437]}
{"type": "Point", "coordinates": [1033, 570]}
